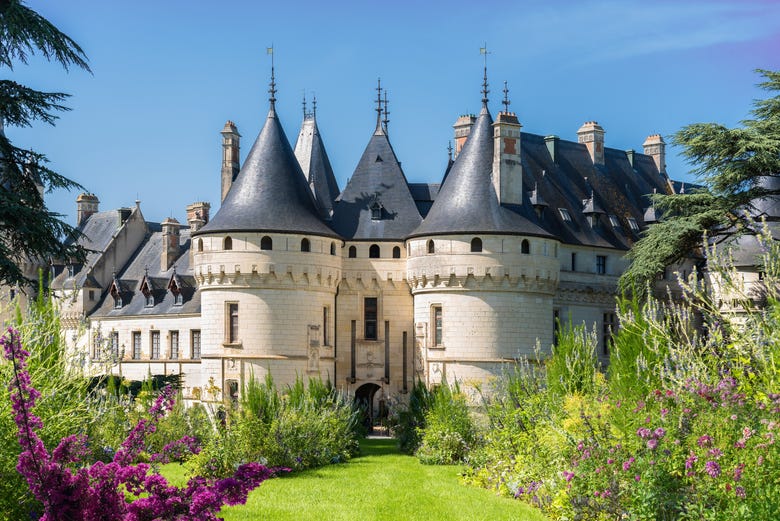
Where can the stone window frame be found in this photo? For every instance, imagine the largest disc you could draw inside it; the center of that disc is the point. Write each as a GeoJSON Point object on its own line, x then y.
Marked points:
{"type": "Point", "coordinates": [366, 319]}
{"type": "Point", "coordinates": [437, 330]}
{"type": "Point", "coordinates": [601, 264]}
{"type": "Point", "coordinates": [175, 344]}
{"type": "Point", "coordinates": [232, 324]}
{"type": "Point", "coordinates": [137, 347]}
{"type": "Point", "coordinates": [154, 344]}
{"type": "Point", "coordinates": [195, 346]}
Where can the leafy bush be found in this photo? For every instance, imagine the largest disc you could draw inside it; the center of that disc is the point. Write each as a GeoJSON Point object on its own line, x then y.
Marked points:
{"type": "Point", "coordinates": [449, 432]}
{"type": "Point", "coordinates": [407, 419]}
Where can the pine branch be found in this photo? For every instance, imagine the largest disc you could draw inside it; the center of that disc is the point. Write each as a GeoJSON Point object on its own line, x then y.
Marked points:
{"type": "Point", "coordinates": [20, 105]}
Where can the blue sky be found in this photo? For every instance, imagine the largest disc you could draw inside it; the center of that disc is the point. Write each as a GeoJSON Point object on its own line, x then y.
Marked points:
{"type": "Point", "coordinates": [168, 74]}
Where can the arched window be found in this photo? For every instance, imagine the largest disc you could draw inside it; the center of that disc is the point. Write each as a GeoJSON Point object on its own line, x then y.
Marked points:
{"type": "Point", "coordinates": [266, 243]}
{"type": "Point", "coordinates": [352, 252]}
{"type": "Point", "coordinates": [228, 244]}
{"type": "Point", "coordinates": [525, 247]}
{"type": "Point", "coordinates": [373, 251]}
{"type": "Point", "coordinates": [200, 244]}
{"type": "Point", "coordinates": [431, 248]}
{"type": "Point", "coordinates": [305, 245]}
{"type": "Point", "coordinates": [333, 248]}
{"type": "Point", "coordinates": [476, 244]}
{"type": "Point", "coordinates": [396, 252]}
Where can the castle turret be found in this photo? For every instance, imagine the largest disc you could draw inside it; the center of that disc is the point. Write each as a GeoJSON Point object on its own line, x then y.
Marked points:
{"type": "Point", "coordinates": [230, 156]}
{"type": "Point", "coordinates": [311, 155]}
{"type": "Point", "coordinates": [267, 270]}
{"type": "Point", "coordinates": [592, 136]}
{"type": "Point", "coordinates": [86, 205]}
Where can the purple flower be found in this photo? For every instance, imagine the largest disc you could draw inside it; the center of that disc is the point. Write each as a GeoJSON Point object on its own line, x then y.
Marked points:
{"type": "Point", "coordinates": [652, 444]}
{"type": "Point", "coordinates": [660, 432]}
{"type": "Point", "coordinates": [568, 475]}
{"type": "Point", "coordinates": [705, 440]}
{"type": "Point", "coordinates": [627, 463]}
{"type": "Point", "coordinates": [740, 492]}
{"type": "Point", "coordinates": [738, 471]}
{"type": "Point", "coordinates": [712, 468]}
{"type": "Point", "coordinates": [693, 458]}
{"type": "Point", "coordinates": [643, 432]}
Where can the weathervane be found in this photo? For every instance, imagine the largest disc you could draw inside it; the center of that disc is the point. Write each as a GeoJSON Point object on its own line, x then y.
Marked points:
{"type": "Point", "coordinates": [272, 89]}
{"type": "Point", "coordinates": [484, 52]}
{"type": "Point", "coordinates": [378, 103]}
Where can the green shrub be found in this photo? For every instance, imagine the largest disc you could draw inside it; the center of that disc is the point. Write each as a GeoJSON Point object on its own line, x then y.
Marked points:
{"type": "Point", "coordinates": [407, 419]}
{"type": "Point", "coordinates": [573, 366]}
{"type": "Point", "coordinates": [449, 433]}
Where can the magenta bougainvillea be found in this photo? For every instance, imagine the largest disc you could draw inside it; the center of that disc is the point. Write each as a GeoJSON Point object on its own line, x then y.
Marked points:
{"type": "Point", "coordinates": [71, 488]}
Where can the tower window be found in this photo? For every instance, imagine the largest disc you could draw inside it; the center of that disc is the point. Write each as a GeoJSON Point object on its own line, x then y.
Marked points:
{"type": "Point", "coordinates": [232, 323]}
{"type": "Point", "coordinates": [200, 244]}
{"type": "Point", "coordinates": [370, 312]}
{"type": "Point", "coordinates": [266, 243]}
{"type": "Point", "coordinates": [396, 252]}
{"type": "Point", "coordinates": [438, 329]}
{"type": "Point", "coordinates": [525, 247]}
{"type": "Point", "coordinates": [227, 244]}
{"type": "Point", "coordinates": [325, 326]}
{"type": "Point", "coordinates": [352, 252]}
{"type": "Point", "coordinates": [431, 247]}
{"type": "Point", "coordinates": [333, 248]}
{"type": "Point", "coordinates": [573, 262]}
{"type": "Point", "coordinates": [305, 245]}
{"type": "Point", "coordinates": [373, 251]}
{"type": "Point", "coordinates": [476, 244]}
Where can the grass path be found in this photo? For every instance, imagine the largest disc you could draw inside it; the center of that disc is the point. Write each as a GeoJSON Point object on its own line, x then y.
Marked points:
{"type": "Point", "coordinates": [381, 484]}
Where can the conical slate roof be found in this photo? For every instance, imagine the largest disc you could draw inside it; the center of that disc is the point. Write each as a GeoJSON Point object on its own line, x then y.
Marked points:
{"type": "Point", "coordinates": [379, 183]}
{"type": "Point", "coordinates": [270, 193]}
{"type": "Point", "coordinates": [467, 201]}
{"type": "Point", "coordinates": [315, 164]}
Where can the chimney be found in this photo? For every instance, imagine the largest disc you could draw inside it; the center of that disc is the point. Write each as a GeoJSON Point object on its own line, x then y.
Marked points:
{"type": "Point", "coordinates": [655, 147]}
{"type": "Point", "coordinates": [170, 245]}
{"type": "Point", "coordinates": [592, 136]}
{"type": "Point", "coordinates": [507, 168]}
{"type": "Point", "coordinates": [230, 156]}
{"type": "Point", "coordinates": [462, 128]}
{"type": "Point", "coordinates": [552, 147]}
{"type": "Point", "coordinates": [86, 205]}
{"type": "Point", "coordinates": [198, 215]}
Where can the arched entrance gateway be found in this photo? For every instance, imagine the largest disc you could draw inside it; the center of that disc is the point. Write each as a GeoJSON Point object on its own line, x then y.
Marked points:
{"type": "Point", "coordinates": [366, 398]}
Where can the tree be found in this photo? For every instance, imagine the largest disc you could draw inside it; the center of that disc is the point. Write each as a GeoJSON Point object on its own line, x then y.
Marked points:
{"type": "Point", "coordinates": [28, 230]}
{"type": "Point", "coordinates": [732, 165]}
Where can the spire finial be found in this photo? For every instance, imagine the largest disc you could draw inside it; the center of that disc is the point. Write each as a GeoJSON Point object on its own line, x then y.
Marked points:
{"type": "Point", "coordinates": [449, 150]}
{"type": "Point", "coordinates": [386, 119]}
{"type": "Point", "coordinates": [484, 52]}
{"type": "Point", "coordinates": [378, 103]}
{"type": "Point", "coordinates": [314, 106]}
{"type": "Point", "coordinates": [506, 98]}
{"type": "Point", "coordinates": [304, 103]}
{"type": "Point", "coordinates": [272, 89]}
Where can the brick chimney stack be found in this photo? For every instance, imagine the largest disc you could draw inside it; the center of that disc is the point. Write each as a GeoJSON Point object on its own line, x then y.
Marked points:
{"type": "Point", "coordinates": [507, 166]}
{"type": "Point", "coordinates": [198, 215]}
{"type": "Point", "coordinates": [170, 246]}
{"type": "Point", "coordinates": [230, 156]}
{"type": "Point", "coordinates": [462, 128]}
{"type": "Point", "coordinates": [86, 205]}
{"type": "Point", "coordinates": [592, 136]}
{"type": "Point", "coordinates": [655, 147]}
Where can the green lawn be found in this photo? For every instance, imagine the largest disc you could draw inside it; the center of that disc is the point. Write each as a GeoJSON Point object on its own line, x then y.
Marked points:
{"type": "Point", "coordinates": [381, 484]}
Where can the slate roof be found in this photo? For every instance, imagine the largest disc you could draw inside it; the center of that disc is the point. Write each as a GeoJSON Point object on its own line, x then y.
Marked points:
{"type": "Point", "coordinates": [378, 178]}
{"type": "Point", "coordinates": [97, 232]}
{"type": "Point", "coordinates": [146, 264]}
{"type": "Point", "coordinates": [270, 193]}
{"type": "Point", "coordinates": [311, 155]}
{"type": "Point", "coordinates": [424, 194]}
{"type": "Point", "coordinates": [467, 201]}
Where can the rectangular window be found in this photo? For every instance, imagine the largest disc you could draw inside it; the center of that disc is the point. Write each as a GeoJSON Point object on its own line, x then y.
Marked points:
{"type": "Point", "coordinates": [325, 326]}
{"type": "Point", "coordinates": [601, 264]}
{"type": "Point", "coordinates": [136, 345]}
{"type": "Point", "coordinates": [195, 343]}
{"type": "Point", "coordinates": [573, 262]}
{"type": "Point", "coordinates": [615, 221]}
{"type": "Point", "coordinates": [232, 323]}
{"type": "Point", "coordinates": [96, 347]}
{"type": "Point", "coordinates": [437, 326]}
{"type": "Point", "coordinates": [155, 343]}
{"type": "Point", "coordinates": [370, 312]}
{"type": "Point", "coordinates": [115, 345]}
{"type": "Point", "coordinates": [633, 224]}
{"type": "Point", "coordinates": [608, 330]}
{"type": "Point", "coordinates": [174, 345]}
{"type": "Point", "coordinates": [565, 215]}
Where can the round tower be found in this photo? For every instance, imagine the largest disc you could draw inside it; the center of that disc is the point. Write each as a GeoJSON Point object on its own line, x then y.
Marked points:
{"type": "Point", "coordinates": [483, 274]}
{"type": "Point", "coordinates": [267, 270]}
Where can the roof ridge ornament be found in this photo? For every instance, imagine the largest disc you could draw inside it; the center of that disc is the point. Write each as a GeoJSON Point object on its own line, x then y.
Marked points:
{"type": "Point", "coordinates": [272, 89]}
{"type": "Point", "coordinates": [386, 119]}
{"type": "Point", "coordinates": [314, 105]}
{"type": "Point", "coordinates": [378, 104]}
{"type": "Point", "coordinates": [484, 52]}
{"type": "Point", "coordinates": [304, 104]}
{"type": "Point", "coordinates": [506, 98]}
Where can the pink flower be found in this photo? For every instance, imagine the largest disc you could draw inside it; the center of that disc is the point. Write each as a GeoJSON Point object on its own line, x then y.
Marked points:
{"type": "Point", "coordinates": [652, 444]}
{"type": "Point", "coordinates": [704, 440]}
{"type": "Point", "coordinates": [712, 468]}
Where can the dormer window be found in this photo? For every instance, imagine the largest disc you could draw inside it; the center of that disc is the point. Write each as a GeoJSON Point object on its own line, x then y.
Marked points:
{"type": "Point", "coordinates": [146, 289]}
{"type": "Point", "coordinates": [376, 211]}
{"type": "Point", "coordinates": [71, 270]}
{"type": "Point", "coordinates": [116, 295]}
{"type": "Point", "coordinates": [174, 286]}
{"type": "Point", "coordinates": [614, 221]}
{"type": "Point", "coordinates": [565, 215]}
{"type": "Point", "coordinates": [117, 302]}
{"type": "Point", "coordinates": [178, 299]}
{"type": "Point", "coordinates": [632, 224]}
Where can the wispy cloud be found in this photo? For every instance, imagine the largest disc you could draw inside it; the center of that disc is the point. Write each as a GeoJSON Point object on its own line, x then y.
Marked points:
{"type": "Point", "coordinates": [606, 30]}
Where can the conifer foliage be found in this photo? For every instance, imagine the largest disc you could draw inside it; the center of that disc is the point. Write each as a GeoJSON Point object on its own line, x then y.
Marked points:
{"type": "Point", "coordinates": [730, 163]}
{"type": "Point", "coordinates": [28, 230]}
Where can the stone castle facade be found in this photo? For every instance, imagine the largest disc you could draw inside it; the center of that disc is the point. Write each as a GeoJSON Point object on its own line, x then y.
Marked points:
{"type": "Point", "coordinates": [373, 286]}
